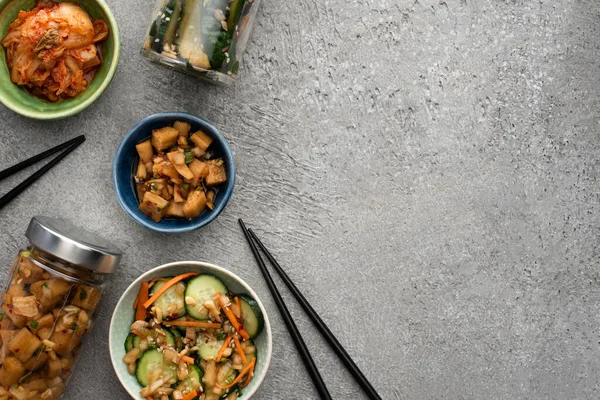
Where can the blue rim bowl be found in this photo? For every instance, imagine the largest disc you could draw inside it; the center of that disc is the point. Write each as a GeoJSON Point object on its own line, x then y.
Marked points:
{"type": "Point", "coordinates": [126, 157]}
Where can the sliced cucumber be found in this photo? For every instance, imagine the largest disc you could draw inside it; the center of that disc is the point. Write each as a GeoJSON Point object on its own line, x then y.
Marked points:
{"type": "Point", "coordinates": [193, 381]}
{"type": "Point", "coordinates": [209, 350]}
{"type": "Point", "coordinates": [178, 339]}
{"type": "Point", "coordinates": [135, 342]}
{"type": "Point", "coordinates": [228, 376]}
{"type": "Point", "coordinates": [169, 339]}
{"type": "Point", "coordinates": [235, 15]}
{"type": "Point", "coordinates": [212, 32]}
{"type": "Point", "coordinates": [173, 26]}
{"type": "Point", "coordinates": [202, 288]}
{"type": "Point", "coordinates": [171, 302]}
{"type": "Point", "coordinates": [150, 362]}
{"type": "Point", "coordinates": [129, 342]}
{"type": "Point", "coordinates": [162, 22]}
{"type": "Point", "coordinates": [252, 317]}
{"type": "Point", "coordinates": [189, 43]}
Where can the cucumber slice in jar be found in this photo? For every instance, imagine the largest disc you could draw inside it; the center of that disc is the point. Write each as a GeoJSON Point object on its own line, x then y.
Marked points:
{"type": "Point", "coordinates": [168, 39]}
{"type": "Point", "coordinates": [189, 43]}
{"type": "Point", "coordinates": [215, 38]}
{"type": "Point", "coordinates": [252, 317]}
{"type": "Point", "coordinates": [152, 362]}
{"type": "Point", "coordinates": [163, 20]}
{"type": "Point", "coordinates": [171, 302]}
{"type": "Point", "coordinates": [202, 288]}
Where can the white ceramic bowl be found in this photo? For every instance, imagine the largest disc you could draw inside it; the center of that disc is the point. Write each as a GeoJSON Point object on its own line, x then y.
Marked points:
{"type": "Point", "coordinates": [124, 313]}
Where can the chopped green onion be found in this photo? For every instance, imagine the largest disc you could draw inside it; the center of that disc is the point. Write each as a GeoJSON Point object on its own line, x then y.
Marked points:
{"type": "Point", "coordinates": [33, 324]}
{"type": "Point", "coordinates": [45, 285]}
{"type": "Point", "coordinates": [82, 294]}
{"type": "Point", "coordinates": [189, 157]}
{"type": "Point", "coordinates": [74, 326]}
{"type": "Point", "coordinates": [39, 348]}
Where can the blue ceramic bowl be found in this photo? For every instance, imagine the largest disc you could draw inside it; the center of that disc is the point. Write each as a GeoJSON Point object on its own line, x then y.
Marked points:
{"type": "Point", "coordinates": [125, 162]}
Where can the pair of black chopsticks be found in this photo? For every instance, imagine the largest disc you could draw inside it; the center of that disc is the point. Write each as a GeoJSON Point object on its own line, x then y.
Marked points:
{"type": "Point", "coordinates": [366, 386]}
{"type": "Point", "coordinates": [67, 147]}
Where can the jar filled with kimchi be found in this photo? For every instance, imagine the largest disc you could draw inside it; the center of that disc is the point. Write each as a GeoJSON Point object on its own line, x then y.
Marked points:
{"type": "Point", "coordinates": [205, 38]}
{"type": "Point", "coordinates": [48, 307]}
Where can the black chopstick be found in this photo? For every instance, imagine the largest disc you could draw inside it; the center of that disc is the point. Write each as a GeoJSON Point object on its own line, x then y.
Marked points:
{"type": "Point", "coordinates": [309, 363]}
{"type": "Point", "coordinates": [331, 339]}
{"type": "Point", "coordinates": [30, 161]}
{"type": "Point", "coordinates": [4, 200]}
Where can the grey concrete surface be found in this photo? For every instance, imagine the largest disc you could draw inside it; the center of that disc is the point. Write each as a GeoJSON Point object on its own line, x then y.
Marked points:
{"type": "Point", "coordinates": [427, 171]}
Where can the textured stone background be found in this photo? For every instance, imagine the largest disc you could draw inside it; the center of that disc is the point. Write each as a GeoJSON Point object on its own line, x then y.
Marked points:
{"type": "Point", "coordinates": [427, 171]}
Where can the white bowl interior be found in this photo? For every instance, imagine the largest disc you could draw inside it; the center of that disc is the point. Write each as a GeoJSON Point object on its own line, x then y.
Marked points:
{"type": "Point", "coordinates": [124, 313]}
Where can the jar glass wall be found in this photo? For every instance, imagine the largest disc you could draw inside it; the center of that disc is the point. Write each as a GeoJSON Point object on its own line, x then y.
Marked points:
{"type": "Point", "coordinates": [46, 314]}
{"type": "Point", "coordinates": [49, 303]}
{"type": "Point", "coordinates": [205, 38]}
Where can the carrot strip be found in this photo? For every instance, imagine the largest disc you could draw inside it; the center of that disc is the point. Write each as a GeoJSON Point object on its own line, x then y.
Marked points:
{"type": "Point", "coordinates": [191, 395]}
{"type": "Point", "coordinates": [222, 349]}
{"type": "Point", "coordinates": [195, 324]}
{"type": "Point", "coordinates": [136, 333]}
{"type": "Point", "coordinates": [249, 376]}
{"type": "Point", "coordinates": [187, 359]}
{"type": "Point", "coordinates": [234, 321]}
{"type": "Point", "coordinates": [135, 303]}
{"type": "Point", "coordinates": [238, 347]}
{"type": "Point", "coordinates": [140, 312]}
{"type": "Point", "coordinates": [243, 372]}
{"type": "Point", "coordinates": [236, 301]}
{"type": "Point", "coordinates": [167, 286]}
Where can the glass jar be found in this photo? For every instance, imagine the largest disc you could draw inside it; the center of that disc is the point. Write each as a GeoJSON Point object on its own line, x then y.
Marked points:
{"type": "Point", "coordinates": [205, 38]}
{"type": "Point", "coordinates": [48, 307]}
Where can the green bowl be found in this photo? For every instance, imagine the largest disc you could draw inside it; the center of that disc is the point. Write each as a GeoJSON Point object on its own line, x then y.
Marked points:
{"type": "Point", "coordinates": [20, 101]}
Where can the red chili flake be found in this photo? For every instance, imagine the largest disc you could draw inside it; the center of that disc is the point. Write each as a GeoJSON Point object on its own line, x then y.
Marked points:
{"type": "Point", "coordinates": [16, 350]}
{"type": "Point", "coordinates": [64, 331]}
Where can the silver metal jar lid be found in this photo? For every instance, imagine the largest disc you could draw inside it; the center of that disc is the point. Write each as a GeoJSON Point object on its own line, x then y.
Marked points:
{"type": "Point", "coordinates": [73, 244]}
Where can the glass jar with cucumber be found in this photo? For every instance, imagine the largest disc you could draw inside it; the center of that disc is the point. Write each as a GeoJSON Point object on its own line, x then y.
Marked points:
{"type": "Point", "coordinates": [205, 38]}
